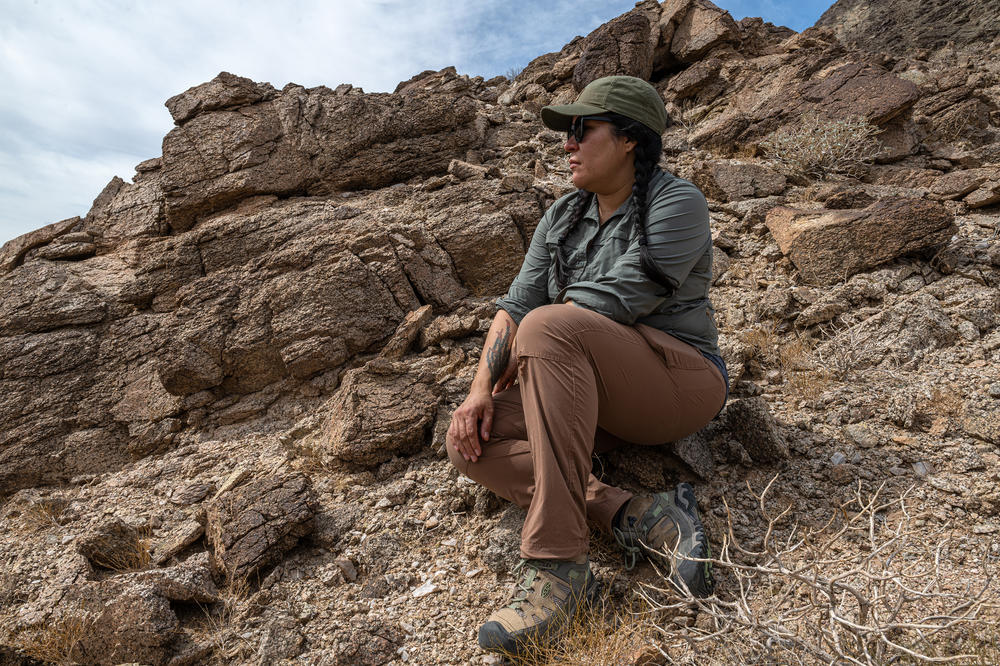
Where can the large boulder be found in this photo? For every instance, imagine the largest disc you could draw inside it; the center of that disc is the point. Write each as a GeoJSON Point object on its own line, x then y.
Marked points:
{"type": "Point", "coordinates": [383, 409]}
{"type": "Point", "coordinates": [621, 46]}
{"type": "Point", "coordinates": [236, 139]}
{"type": "Point", "coordinates": [828, 246]}
{"type": "Point", "coordinates": [691, 28]}
{"type": "Point", "coordinates": [253, 526]}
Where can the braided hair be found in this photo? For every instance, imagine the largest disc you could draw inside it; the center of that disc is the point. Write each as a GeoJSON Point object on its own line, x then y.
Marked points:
{"type": "Point", "coordinates": [648, 146]}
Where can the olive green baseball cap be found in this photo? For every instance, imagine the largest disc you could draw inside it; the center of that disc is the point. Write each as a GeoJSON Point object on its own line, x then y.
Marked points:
{"type": "Point", "coordinates": [624, 95]}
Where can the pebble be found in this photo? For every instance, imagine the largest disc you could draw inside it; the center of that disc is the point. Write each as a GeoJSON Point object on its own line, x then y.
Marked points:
{"type": "Point", "coordinates": [473, 573]}
{"type": "Point", "coordinates": [347, 567]}
{"type": "Point", "coordinates": [861, 435]}
{"type": "Point", "coordinates": [994, 390]}
{"type": "Point", "coordinates": [985, 528]}
{"type": "Point", "coordinates": [424, 590]}
{"type": "Point", "coordinates": [922, 469]}
{"type": "Point", "coordinates": [837, 458]}
{"type": "Point", "coordinates": [432, 522]}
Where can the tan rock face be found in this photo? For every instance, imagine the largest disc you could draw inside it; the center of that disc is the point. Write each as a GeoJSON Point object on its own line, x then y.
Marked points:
{"type": "Point", "coordinates": [829, 246]}
{"type": "Point", "coordinates": [889, 26]}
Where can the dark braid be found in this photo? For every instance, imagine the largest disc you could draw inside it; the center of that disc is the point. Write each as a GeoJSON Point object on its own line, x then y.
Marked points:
{"type": "Point", "coordinates": [647, 156]}
{"type": "Point", "coordinates": [648, 147]}
{"type": "Point", "coordinates": [581, 204]}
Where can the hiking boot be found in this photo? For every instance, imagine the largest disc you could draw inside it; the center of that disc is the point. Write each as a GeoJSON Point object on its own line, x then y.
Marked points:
{"type": "Point", "coordinates": [666, 528]}
{"type": "Point", "coordinates": [548, 593]}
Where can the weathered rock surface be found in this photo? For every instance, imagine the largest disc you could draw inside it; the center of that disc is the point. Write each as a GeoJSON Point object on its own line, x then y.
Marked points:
{"type": "Point", "coordinates": [735, 182]}
{"type": "Point", "coordinates": [381, 410]}
{"type": "Point", "coordinates": [619, 47]}
{"type": "Point", "coordinates": [253, 527]}
{"type": "Point", "coordinates": [238, 140]}
{"type": "Point", "coordinates": [829, 246]}
{"type": "Point", "coordinates": [753, 425]}
{"type": "Point", "coordinates": [910, 25]}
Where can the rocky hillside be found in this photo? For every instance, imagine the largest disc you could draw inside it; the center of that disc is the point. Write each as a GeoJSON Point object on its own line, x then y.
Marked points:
{"type": "Point", "coordinates": [908, 26]}
{"type": "Point", "coordinates": [226, 387]}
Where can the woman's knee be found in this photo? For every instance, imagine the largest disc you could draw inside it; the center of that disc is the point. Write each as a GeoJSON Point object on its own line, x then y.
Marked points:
{"type": "Point", "coordinates": [548, 328]}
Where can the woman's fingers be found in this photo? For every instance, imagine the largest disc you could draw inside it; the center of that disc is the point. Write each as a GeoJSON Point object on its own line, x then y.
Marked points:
{"type": "Point", "coordinates": [464, 429]}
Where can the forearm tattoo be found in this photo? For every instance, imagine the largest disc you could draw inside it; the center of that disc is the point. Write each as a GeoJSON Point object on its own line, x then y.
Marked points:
{"type": "Point", "coordinates": [498, 354]}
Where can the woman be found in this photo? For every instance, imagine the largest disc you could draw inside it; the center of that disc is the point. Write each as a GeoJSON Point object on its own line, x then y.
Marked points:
{"type": "Point", "coordinates": [606, 331]}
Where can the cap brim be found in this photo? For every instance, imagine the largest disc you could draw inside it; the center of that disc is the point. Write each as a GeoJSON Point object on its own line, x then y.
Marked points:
{"type": "Point", "coordinates": [560, 117]}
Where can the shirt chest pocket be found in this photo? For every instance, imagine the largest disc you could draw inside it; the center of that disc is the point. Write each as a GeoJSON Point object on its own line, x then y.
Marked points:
{"type": "Point", "coordinates": [606, 248]}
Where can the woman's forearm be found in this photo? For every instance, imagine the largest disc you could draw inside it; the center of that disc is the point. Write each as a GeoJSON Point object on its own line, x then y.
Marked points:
{"type": "Point", "coordinates": [496, 352]}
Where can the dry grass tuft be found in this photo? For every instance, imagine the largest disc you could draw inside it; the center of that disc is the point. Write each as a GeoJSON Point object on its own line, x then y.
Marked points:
{"type": "Point", "coordinates": [124, 554]}
{"type": "Point", "coordinates": [56, 643]}
{"type": "Point", "coordinates": [224, 621]}
{"type": "Point", "coordinates": [870, 587]}
{"type": "Point", "coordinates": [596, 635]}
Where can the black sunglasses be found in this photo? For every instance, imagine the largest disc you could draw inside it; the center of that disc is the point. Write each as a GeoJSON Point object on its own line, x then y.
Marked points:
{"type": "Point", "coordinates": [577, 129]}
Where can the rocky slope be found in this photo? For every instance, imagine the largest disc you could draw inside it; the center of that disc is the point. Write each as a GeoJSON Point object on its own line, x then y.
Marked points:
{"type": "Point", "coordinates": [226, 387]}
{"type": "Point", "coordinates": [908, 26]}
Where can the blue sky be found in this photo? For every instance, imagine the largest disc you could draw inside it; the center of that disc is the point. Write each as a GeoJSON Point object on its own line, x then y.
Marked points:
{"type": "Point", "coordinates": [84, 81]}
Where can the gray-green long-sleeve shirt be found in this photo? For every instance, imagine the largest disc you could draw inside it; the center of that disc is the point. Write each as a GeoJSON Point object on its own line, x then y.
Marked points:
{"type": "Point", "coordinates": [603, 269]}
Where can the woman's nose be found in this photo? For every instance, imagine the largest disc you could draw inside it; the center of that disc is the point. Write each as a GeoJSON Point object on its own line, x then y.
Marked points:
{"type": "Point", "coordinates": [571, 144]}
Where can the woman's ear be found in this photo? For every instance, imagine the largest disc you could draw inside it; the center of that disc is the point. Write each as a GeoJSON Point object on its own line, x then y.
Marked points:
{"type": "Point", "coordinates": [629, 144]}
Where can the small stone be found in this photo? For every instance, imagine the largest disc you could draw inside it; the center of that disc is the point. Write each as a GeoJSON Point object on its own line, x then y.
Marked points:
{"type": "Point", "coordinates": [842, 474]}
{"type": "Point", "coordinates": [862, 435]}
{"type": "Point", "coordinates": [451, 543]}
{"type": "Point", "coordinates": [921, 469]}
{"type": "Point", "coordinates": [347, 567]}
{"type": "Point", "coordinates": [424, 590]}
{"type": "Point", "coordinates": [985, 528]}
{"type": "Point", "coordinates": [994, 390]}
{"type": "Point", "coordinates": [897, 471]}
{"type": "Point", "coordinates": [233, 480]}
{"type": "Point", "coordinates": [432, 522]}
{"type": "Point", "coordinates": [473, 573]}
{"type": "Point", "coordinates": [837, 458]}
{"type": "Point", "coordinates": [383, 503]}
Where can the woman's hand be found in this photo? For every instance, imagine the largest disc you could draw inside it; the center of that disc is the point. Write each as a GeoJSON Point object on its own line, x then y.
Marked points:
{"type": "Point", "coordinates": [472, 419]}
{"type": "Point", "coordinates": [509, 375]}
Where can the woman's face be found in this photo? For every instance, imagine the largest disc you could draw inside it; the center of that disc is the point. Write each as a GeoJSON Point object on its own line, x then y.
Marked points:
{"type": "Point", "coordinates": [601, 162]}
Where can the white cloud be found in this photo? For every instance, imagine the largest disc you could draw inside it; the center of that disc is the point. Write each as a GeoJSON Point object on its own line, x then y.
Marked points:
{"type": "Point", "coordinates": [84, 81]}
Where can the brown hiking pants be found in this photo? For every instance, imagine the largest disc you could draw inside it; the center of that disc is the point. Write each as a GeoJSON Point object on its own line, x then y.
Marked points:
{"type": "Point", "coordinates": [583, 376]}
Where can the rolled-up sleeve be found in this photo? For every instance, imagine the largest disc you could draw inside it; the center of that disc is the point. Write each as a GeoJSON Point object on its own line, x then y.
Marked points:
{"type": "Point", "coordinates": [530, 288]}
{"type": "Point", "coordinates": [678, 234]}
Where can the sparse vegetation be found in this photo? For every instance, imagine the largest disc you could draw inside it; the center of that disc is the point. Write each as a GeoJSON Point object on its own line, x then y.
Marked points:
{"type": "Point", "coordinates": [512, 73]}
{"type": "Point", "coordinates": [874, 585]}
{"type": "Point", "coordinates": [818, 147]}
{"type": "Point", "coordinates": [57, 642]}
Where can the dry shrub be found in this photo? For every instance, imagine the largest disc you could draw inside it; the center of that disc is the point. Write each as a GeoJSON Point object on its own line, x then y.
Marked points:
{"type": "Point", "coordinates": [818, 146]}
{"type": "Point", "coordinates": [870, 587]}
{"type": "Point", "coordinates": [762, 341]}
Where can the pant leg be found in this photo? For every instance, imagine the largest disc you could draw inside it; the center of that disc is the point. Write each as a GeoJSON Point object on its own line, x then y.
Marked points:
{"type": "Point", "coordinates": [650, 388]}
{"type": "Point", "coordinates": [505, 467]}
{"type": "Point", "coordinates": [579, 370]}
